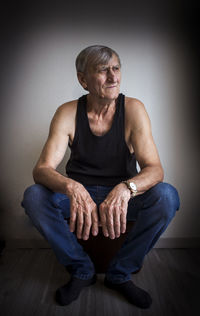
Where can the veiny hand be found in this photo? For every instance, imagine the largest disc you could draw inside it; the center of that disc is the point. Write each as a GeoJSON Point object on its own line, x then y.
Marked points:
{"type": "Point", "coordinates": [83, 212]}
{"type": "Point", "coordinates": [113, 211]}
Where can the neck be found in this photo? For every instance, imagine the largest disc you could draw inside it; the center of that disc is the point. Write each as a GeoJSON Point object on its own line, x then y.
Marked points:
{"type": "Point", "coordinates": [99, 107]}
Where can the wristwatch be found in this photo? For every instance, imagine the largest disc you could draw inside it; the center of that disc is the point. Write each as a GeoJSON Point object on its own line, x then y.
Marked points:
{"type": "Point", "coordinates": [131, 186]}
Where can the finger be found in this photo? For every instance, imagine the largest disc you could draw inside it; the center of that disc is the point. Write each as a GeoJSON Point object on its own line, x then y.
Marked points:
{"type": "Point", "coordinates": [86, 226]}
{"type": "Point", "coordinates": [79, 227]}
{"type": "Point", "coordinates": [110, 227]}
{"type": "Point", "coordinates": [104, 228]}
{"type": "Point", "coordinates": [116, 219]}
{"type": "Point", "coordinates": [72, 221]}
{"type": "Point", "coordinates": [123, 223]}
{"type": "Point", "coordinates": [95, 222]}
{"type": "Point", "coordinates": [103, 221]}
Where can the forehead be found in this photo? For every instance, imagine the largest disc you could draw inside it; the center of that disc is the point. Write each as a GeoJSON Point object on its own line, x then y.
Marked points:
{"type": "Point", "coordinates": [112, 61]}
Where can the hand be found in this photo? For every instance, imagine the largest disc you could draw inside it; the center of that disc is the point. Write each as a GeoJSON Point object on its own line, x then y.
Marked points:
{"type": "Point", "coordinates": [113, 211]}
{"type": "Point", "coordinates": [83, 212]}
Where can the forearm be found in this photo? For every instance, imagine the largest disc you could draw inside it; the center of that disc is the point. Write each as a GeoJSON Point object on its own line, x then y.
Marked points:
{"type": "Point", "coordinates": [147, 178]}
{"type": "Point", "coordinates": [52, 179]}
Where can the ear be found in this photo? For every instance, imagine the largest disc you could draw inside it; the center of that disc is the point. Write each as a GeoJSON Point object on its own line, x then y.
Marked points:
{"type": "Point", "coordinates": [82, 80]}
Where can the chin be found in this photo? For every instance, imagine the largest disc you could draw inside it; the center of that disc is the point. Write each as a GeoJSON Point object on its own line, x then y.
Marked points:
{"type": "Point", "coordinates": [112, 94]}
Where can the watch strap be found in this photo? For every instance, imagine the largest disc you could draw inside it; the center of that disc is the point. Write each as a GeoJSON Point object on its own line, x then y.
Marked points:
{"type": "Point", "coordinates": [133, 192]}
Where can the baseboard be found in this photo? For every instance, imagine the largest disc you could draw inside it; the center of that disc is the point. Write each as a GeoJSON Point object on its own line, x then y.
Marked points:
{"type": "Point", "coordinates": [178, 243]}
{"type": "Point", "coordinates": [161, 243]}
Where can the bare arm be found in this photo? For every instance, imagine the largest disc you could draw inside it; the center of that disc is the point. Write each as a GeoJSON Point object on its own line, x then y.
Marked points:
{"type": "Point", "coordinates": [145, 149]}
{"type": "Point", "coordinates": [52, 154]}
{"type": "Point", "coordinates": [83, 210]}
{"type": "Point", "coordinates": [114, 209]}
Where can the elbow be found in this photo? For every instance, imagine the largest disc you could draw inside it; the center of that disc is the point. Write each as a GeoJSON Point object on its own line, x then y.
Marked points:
{"type": "Point", "coordinates": [160, 174]}
{"type": "Point", "coordinates": [35, 174]}
{"type": "Point", "coordinates": [40, 171]}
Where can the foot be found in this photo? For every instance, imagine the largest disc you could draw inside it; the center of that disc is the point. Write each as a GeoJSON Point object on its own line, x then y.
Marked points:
{"type": "Point", "coordinates": [70, 291]}
{"type": "Point", "coordinates": [131, 292]}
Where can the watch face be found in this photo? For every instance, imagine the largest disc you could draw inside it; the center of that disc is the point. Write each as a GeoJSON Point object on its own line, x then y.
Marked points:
{"type": "Point", "coordinates": [133, 186]}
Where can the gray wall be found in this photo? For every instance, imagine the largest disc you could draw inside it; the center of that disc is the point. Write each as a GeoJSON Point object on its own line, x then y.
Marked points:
{"type": "Point", "coordinates": [38, 74]}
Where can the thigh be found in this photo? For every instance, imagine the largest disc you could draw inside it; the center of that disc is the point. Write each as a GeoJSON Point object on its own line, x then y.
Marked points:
{"type": "Point", "coordinates": [163, 192]}
{"type": "Point", "coordinates": [98, 193]}
{"type": "Point", "coordinates": [61, 201]}
{"type": "Point", "coordinates": [134, 206]}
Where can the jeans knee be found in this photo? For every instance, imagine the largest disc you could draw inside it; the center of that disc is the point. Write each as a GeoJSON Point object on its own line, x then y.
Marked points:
{"type": "Point", "coordinates": [168, 198]}
{"type": "Point", "coordinates": [33, 196]}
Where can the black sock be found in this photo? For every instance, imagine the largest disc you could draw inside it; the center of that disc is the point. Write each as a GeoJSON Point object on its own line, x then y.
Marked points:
{"type": "Point", "coordinates": [70, 291]}
{"type": "Point", "coordinates": [132, 293]}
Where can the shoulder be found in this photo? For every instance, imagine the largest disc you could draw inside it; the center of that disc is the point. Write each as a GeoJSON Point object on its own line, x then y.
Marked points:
{"type": "Point", "coordinates": [135, 112]}
{"type": "Point", "coordinates": [66, 111]}
{"type": "Point", "coordinates": [64, 117]}
{"type": "Point", "coordinates": [67, 108]}
{"type": "Point", "coordinates": [133, 104]}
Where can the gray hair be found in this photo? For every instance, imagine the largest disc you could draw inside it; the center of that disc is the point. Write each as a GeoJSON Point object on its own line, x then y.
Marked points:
{"type": "Point", "coordinates": [93, 56]}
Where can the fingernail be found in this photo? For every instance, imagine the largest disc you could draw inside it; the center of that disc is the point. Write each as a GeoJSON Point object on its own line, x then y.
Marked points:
{"type": "Point", "coordinates": [95, 233]}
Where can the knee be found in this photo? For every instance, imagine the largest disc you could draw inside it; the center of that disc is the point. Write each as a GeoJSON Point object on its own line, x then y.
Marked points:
{"type": "Point", "coordinates": [168, 198]}
{"type": "Point", "coordinates": [33, 196]}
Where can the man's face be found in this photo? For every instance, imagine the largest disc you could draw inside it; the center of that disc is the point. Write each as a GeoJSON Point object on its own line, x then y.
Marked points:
{"type": "Point", "coordinates": [103, 81]}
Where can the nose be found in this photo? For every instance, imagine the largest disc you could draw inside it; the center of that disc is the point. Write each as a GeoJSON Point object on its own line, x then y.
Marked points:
{"type": "Point", "coordinates": [111, 75]}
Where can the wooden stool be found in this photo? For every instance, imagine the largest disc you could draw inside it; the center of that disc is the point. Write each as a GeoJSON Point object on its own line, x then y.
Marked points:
{"type": "Point", "coordinates": [102, 249]}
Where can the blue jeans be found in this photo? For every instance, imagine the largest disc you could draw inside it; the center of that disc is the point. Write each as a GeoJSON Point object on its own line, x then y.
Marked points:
{"type": "Point", "coordinates": [152, 211]}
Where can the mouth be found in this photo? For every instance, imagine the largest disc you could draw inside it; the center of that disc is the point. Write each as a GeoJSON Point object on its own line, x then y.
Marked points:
{"type": "Point", "coordinates": [110, 87]}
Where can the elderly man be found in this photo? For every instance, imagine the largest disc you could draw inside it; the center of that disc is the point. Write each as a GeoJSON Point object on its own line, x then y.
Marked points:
{"type": "Point", "coordinates": [107, 133]}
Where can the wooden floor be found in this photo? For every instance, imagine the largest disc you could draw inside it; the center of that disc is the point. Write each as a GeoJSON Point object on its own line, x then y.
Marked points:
{"type": "Point", "coordinates": [29, 278]}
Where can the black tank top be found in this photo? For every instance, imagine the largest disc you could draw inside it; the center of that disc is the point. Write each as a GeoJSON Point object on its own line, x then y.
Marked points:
{"type": "Point", "coordinates": [100, 160]}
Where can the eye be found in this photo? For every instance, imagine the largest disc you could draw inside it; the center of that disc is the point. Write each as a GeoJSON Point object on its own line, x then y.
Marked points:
{"type": "Point", "coordinates": [103, 69]}
{"type": "Point", "coordinates": [116, 68]}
